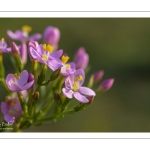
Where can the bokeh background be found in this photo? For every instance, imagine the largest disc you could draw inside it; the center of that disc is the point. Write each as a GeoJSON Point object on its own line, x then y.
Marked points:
{"type": "Point", "coordinates": [120, 47]}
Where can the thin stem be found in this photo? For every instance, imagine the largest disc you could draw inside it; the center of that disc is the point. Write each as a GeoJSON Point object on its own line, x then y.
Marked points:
{"type": "Point", "coordinates": [34, 68]}
{"type": "Point", "coordinates": [22, 102]}
{"type": "Point", "coordinates": [5, 87]}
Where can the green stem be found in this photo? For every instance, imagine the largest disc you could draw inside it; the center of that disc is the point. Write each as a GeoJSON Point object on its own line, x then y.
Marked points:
{"type": "Point", "coordinates": [34, 68]}
{"type": "Point", "coordinates": [44, 110]}
{"type": "Point", "coordinates": [4, 85]}
{"type": "Point", "coordinates": [56, 116]}
{"type": "Point", "coordinates": [22, 102]}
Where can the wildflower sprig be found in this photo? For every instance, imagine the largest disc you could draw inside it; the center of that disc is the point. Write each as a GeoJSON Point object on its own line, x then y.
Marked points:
{"type": "Point", "coordinates": [34, 96]}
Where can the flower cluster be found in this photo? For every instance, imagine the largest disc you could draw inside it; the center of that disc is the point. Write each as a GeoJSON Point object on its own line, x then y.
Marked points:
{"type": "Point", "coordinates": [30, 94]}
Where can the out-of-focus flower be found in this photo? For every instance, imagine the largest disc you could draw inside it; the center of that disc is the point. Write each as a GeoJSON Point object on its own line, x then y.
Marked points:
{"type": "Point", "coordinates": [74, 88]}
{"type": "Point", "coordinates": [20, 50]}
{"type": "Point", "coordinates": [11, 109]}
{"type": "Point", "coordinates": [98, 75]}
{"type": "Point", "coordinates": [106, 85]}
{"type": "Point", "coordinates": [52, 36]}
{"type": "Point", "coordinates": [3, 46]}
{"type": "Point", "coordinates": [20, 82]}
{"type": "Point", "coordinates": [81, 58]}
{"type": "Point", "coordinates": [23, 52]}
{"type": "Point", "coordinates": [45, 55]}
{"type": "Point", "coordinates": [67, 68]}
{"type": "Point", "coordinates": [23, 35]}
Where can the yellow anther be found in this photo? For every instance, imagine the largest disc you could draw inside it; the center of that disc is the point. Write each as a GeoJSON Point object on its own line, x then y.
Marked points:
{"type": "Point", "coordinates": [16, 76]}
{"type": "Point", "coordinates": [64, 59]}
{"type": "Point", "coordinates": [44, 57]}
{"type": "Point", "coordinates": [75, 86]}
{"type": "Point", "coordinates": [2, 40]}
{"type": "Point", "coordinates": [80, 78]}
{"type": "Point", "coordinates": [26, 28]}
{"type": "Point", "coordinates": [67, 66]}
{"type": "Point", "coordinates": [48, 48]}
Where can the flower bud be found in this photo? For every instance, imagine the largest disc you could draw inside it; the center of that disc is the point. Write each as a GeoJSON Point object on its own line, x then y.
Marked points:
{"type": "Point", "coordinates": [52, 36]}
{"type": "Point", "coordinates": [91, 81]}
{"type": "Point", "coordinates": [91, 99]}
{"type": "Point", "coordinates": [57, 99]}
{"type": "Point", "coordinates": [23, 53]}
{"type": "Point", "coordinates": [31, 78]}
{"type": "Point", "coordinates": [35, 96]}
{"type": "Point", "coordinates": [55, 74]}
{"type": "Point", "coordinates": [15, 49]}
{"type": "Point", "coordinates": [98, 75]}
{"type": "Point", "coordinates": [81, 58]}
{"type": "Point", "coordinates": [106, 85]}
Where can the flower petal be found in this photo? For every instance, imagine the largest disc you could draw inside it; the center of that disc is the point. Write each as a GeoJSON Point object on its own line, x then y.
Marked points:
{"type": "Point", "coordinates": [36, 56]}
{"type": "Point", "coordinates": [54, 64]}
{"type": "Point", "coordinates": [86, 91]}
{"type": "Point", "coordinates": [18, 108]}
{"type": "Point", "coordinates": [9, 81]}
{"type": "Point", "coordinates": [23, 78]}
{"type": "Point", "coordinates": [69, 82]}
{"type": "Point", "coordinates": [80, 97]}
{"type": "Point", "coordinates": [67, 92]}
{"type": "Point", "coordinates": [26, 86]}
{"type": "Point", "coordinates": [56, 54]}
{"type": "Point", "coordinates": [18, 35]}
{"type": "Point", "coordinates": [80, 72]}
{"type": "Point", "coordinates": [4, 108]}
{"type": "Point", "coordinates": [35, 37]}
{"type": "Point", "coordinates": [9, 118]}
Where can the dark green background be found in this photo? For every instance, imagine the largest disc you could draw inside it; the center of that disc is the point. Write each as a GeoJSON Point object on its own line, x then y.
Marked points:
{"type": "Point", "coordinates": [119, 46]}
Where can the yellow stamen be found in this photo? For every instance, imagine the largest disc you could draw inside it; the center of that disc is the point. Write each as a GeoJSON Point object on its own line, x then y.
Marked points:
{"type": "Point", "coordinates": [80, 78]}
{"type": "Point", "coordinates": [16, 76]}
{"type": "Point", "coordinates": [48, 48]}
{"type": "Point", "coordinates": [75, 86]}
{"type": "Point", "coordinates": [64, 59]}
{"type": "Point", "coordinates": [44, 57]}
{"type": "Point", "coordinates": [26, 28]}
{"type": "Point", "coordinates": [2, 40]}
{"type": "Point", "coordinates": [67, 66]}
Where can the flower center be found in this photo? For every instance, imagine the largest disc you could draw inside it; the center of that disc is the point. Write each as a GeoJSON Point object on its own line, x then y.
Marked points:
{"type": "Point", "coordinates": [76, 81]}
{"type": "Point", "coordinates": [45, 57]}
{"type": "Point", "coordinates": [64, 59]}
{"type": "Point", "coordinates": [13, 112]}
{"type": "Point", "coordinates": [13, 103]}
{"type": "Point", "coordinates": [26, 28]}
{"type": "Point", "coordinates": [67, 66]}
{"type": "Point", "coordinates": [48, 48]}
{"type": "Point", "coordinates": [16, 76]}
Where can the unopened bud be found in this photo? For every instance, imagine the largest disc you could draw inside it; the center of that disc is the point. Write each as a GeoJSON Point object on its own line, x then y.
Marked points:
{"type": "Point", "coordinates": [98, 75]}
{"type": "Point", "coordinates": [55, 74]}
{"type": "Point", "coordinates": [57, 99]}
{"type": "Point", "coordinates": [91, 81]}
{"type": "Point", "coordinates": [106, 85]}
{"type": "Point", "coordinates": [15, 49]}
{"type": "Point", "coordinates": [23, 53]}
{"type": "Point", "coordinates": [91, 99]}
{"type": "Point", "coordinates": [31, 78]}
{"type": "Point", "coordinates": [35, 95]}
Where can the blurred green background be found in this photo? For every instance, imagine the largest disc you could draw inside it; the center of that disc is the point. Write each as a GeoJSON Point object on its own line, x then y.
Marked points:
{"type": "Point", "coordinates": [120, 47]}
